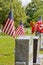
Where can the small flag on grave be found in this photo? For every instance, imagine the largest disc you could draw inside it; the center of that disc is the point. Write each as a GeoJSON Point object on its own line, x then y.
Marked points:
{"type": "Point", "coordinates": [40, 19]}
{"type": "Point", "coordinates": [8, 27]}
{"type": "Point", "coordinates": [20, 30]}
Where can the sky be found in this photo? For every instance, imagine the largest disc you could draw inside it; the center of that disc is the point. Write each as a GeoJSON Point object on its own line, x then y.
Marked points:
{"type": "Point", "coordinates": [25, 2]}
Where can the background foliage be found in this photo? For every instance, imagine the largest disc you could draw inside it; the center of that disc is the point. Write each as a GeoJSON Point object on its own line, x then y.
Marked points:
{"type": "Point", "coordinates": [34, 10]}
{"type": "Point", "coordinates": [30, 13]}
{"type": "Point", "coordinates": [18, 11]}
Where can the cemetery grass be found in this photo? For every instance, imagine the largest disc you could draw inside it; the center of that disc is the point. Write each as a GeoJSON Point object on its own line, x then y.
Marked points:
{"type": "Point", "coordinates": [7, 45]}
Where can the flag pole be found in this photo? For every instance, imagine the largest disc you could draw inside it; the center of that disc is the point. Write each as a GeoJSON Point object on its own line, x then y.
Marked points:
{"type": "Point", "coordinates": [10, 4]}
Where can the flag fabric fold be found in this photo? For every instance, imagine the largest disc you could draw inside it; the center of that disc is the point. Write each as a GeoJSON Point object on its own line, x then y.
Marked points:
{"type": "Point", "coordinates": [8, 27]}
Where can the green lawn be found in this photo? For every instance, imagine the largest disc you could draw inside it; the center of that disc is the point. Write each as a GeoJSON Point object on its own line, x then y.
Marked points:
{"type": "Point", "coordinates": [7, 45]}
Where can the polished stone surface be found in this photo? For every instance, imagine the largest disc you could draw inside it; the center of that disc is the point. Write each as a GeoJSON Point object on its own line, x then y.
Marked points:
{"type": "Point", "coordinates": [23, 45]}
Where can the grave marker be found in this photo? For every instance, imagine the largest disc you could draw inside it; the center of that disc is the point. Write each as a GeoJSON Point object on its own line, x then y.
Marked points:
{"type": "Point", "coordinates": [41, 40]}
{"type": "Point", "coordinates": [24, 50]}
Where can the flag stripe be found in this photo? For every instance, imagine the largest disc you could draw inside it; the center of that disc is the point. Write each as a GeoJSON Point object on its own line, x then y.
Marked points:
{"type": "Point", "coordinates": [20, 30]}
{"type": "Point", "coordinates": [8, 27]}
{"type": "Point", "coordinates": [4, 27]}
{"type": "Point", "coordinates": [12, 31]}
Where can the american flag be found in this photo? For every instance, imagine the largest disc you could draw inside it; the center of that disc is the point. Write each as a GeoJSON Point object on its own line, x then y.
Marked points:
{"type": "Point", "coordinates": [40, 19]}
{"type": "Point", "coordinates": [20, 30]}
{"type": "Point", "coordinates": [8, 27]}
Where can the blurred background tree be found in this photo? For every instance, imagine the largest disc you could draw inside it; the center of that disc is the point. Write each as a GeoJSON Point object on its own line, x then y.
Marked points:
{"type": "Point", "coordinates": [34, 10]}
{"type": "Point", "coordinates": [30, 13]}
{"type": "Point", "coordinates": [18, 11]}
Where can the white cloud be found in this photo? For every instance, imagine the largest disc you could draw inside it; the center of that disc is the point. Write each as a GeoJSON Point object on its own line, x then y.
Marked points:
{"type": "Point", "coordinates": [25, 2]}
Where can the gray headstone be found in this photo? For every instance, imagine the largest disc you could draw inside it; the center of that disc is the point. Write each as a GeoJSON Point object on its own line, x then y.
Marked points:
{"type": "Point", "coordinates": [24, 50]}
{"type": "Point", "coordinates": [41, 41]}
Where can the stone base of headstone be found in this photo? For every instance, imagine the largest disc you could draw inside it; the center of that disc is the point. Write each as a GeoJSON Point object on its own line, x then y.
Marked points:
{"type": "Point", "coordinates": [35, 64]}
{"type": "Point", "coordinates": [41, 59]}
{"type": "Point", "coordinates": [20, 63]}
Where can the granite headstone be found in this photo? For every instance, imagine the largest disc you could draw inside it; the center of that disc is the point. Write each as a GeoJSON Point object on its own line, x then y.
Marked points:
{"type": "Point", "coordinates": [41, 41]}
{"type": "Point", "coordinates": [24, 50]}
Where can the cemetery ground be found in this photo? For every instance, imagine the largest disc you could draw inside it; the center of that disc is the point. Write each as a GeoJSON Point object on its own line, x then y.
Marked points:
{"type": "Point", "coordinates": [6, 50]}
{"type": "Point", "coordinates": [7, 46]}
